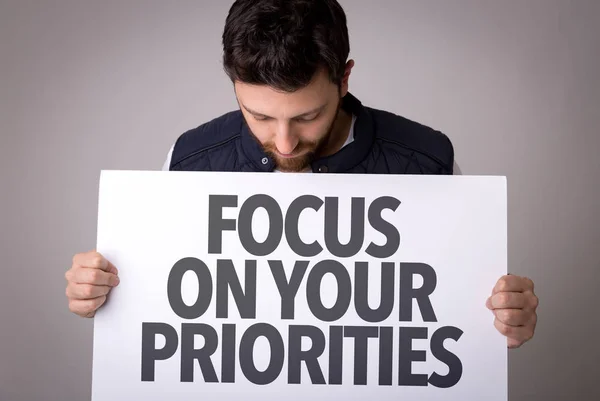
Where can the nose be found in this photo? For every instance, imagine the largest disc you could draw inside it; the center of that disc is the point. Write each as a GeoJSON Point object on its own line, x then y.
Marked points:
{"type": "Point", "coordinates": [285, 140]}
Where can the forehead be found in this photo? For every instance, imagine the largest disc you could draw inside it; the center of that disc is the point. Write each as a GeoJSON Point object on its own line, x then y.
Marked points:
{"type": "Point", "coordinates": [271, 102]}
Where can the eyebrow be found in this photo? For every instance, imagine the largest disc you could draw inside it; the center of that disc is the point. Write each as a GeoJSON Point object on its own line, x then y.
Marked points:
{"type": "Point", "coordinates": [315, 110]}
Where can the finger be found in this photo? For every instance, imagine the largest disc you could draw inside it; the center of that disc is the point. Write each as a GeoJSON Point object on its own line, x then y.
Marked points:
{"type": "Point", "coordinates": [94, 260]}
{"type": "Point", "coordinates": [508, 300]}
{"type": "Point", "coordinates": [518, 335]}
{"type": "Point", "coordinates": [86, 291]}
{"type": "Point", "coordinates": [86, 308]}
{"type": "Point", "coordinates": [532, 301]}
{"type": "Point", "coordinates": [511, 283]}
{"type": "Point", "coordinates": [111, 268]}
{"type": "Point", "coordinates": [512, 343]}
{"type": "Point", "coordinates": [513, 317]}
{"type": "Point", "coordinates": [84, 275]}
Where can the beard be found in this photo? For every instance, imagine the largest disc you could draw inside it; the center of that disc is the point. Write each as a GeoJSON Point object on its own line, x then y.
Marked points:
{"type": "Point", "coordinates": [307, 151]}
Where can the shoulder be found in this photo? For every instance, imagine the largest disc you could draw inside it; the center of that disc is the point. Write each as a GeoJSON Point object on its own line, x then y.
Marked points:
{"type": "Point", "coordinates": [218, 133]}
{"type": "Point", "coordinates": [426, 143]}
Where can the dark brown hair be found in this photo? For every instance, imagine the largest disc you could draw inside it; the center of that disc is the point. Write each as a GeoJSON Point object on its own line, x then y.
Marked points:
{"type": "Point", "coordinates": [282, 43]}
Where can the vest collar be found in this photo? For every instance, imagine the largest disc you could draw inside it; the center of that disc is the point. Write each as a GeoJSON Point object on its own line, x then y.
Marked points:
{"type": "Point", "coordinates": [341, 161]}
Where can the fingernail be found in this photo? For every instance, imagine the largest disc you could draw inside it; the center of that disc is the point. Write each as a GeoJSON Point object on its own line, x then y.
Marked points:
{"type": "Point", "coordinates": [117, 280]}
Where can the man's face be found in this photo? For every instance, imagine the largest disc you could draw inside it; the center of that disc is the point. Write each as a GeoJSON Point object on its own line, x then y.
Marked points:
{"type": "Point", "coordinates": [292, 127]}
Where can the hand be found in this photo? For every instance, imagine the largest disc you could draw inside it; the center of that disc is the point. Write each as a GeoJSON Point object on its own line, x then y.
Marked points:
{"type": "Point", "coordinates": [514, 304]}
{"type": "Point", "coordinates": [89, 280]}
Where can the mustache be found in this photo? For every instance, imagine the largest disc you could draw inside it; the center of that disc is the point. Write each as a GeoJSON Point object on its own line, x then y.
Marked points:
{"type": "Point", "coordinates": [302, 147]}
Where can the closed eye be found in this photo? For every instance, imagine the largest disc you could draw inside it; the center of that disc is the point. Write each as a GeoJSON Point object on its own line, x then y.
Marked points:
{"type": "Point", "coordinates": [307, 119]}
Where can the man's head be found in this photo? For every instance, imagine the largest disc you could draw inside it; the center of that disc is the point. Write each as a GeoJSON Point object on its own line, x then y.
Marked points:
{"type": "Point", "coordinates": [288, 62]}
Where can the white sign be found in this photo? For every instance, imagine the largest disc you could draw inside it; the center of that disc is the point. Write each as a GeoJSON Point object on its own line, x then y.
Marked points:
{"type": "Point", "coordinates": [254, 286]}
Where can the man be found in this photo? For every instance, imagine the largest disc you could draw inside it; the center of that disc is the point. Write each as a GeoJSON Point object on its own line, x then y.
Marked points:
{"type": "Point", "coordinates": [288, 62]}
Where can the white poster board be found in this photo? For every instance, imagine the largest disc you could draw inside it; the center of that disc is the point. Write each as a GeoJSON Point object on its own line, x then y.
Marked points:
{"type": "Point", "coordinates": [254, 286]}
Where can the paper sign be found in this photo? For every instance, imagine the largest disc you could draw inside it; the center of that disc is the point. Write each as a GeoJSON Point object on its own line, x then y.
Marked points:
{"type": "Point", "coordinates": [254, 286]}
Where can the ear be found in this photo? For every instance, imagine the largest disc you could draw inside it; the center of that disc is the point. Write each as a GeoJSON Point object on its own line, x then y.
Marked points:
{"type": "Point", "coordinates": [346, 78]}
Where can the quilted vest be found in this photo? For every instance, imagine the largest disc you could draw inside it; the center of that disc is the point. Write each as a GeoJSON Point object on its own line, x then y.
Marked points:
{"type": "Point", "coordinates": [384, 143]}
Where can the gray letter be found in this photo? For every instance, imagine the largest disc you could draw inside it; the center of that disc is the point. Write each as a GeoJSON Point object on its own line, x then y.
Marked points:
{"type": "Point", "coordinates": [275, 225]}
{"type": "Point", "coordinates": [189, 353]}
{"type": "Point", "coordinates": [291, 225]}
{"type": "Point", "coordinates": [216, 223]}
{"type": "Point", "coordinates": [361, 336]}
{"type": "Point", "coordinates": [287, 290]}
{"type": "Point", "coordinates": [442, 354]}
{"type": "Point", "coordinates": [228, 278]}
{"type": "Point", "coordinates": [361, 292]}
{"type": "Point", "coordinates": [204, 288]}
{"type": "Point", "coordinates": [228, 354]}
{"type": "Point", "coordinates": [386, 228]}
{"type": "Point", "coordinates": [296, 355]}
{"type": "Point", "coordinates": [407, 356]}
{"type": "Point", "coordinates": [247, 353]}
{"type": "Point", "coordinates": [336, 347]}
{"type": "Point", "coordinates": [386, 349]}
{"type": "Point", "coordinates": [313, 290]}
{"type": "Point", "coordinates": [357, 227]}
{"type": "Point", "coordinates": [149, 352]}
{"type": "Point", "coordinates": [407, 292]}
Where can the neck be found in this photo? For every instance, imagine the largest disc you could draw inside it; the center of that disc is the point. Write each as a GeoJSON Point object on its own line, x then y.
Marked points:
{"type": "Point", "coordinates": [339, 133]}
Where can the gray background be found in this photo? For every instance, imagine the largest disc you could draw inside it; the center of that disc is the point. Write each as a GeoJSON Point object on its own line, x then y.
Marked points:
{"type": "Point", "coordinates": [110, 85]}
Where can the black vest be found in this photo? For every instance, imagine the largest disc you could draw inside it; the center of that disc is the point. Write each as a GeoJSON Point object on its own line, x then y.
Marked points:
{"type": "Point", "coordinates": [384, 143]}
